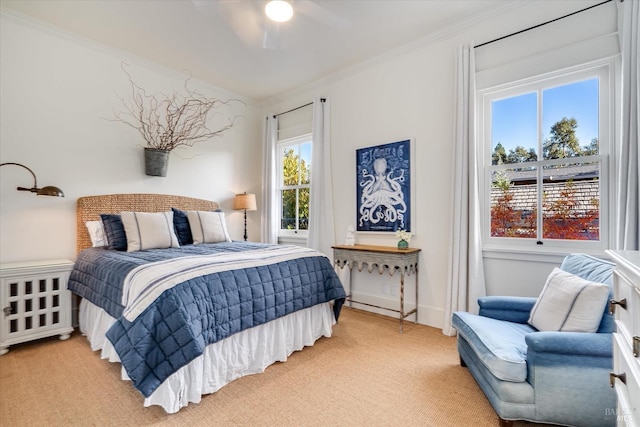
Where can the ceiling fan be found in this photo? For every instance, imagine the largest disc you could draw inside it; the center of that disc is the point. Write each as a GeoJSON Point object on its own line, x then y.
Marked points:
{"type": "Point", "coordinates": [249, 21]}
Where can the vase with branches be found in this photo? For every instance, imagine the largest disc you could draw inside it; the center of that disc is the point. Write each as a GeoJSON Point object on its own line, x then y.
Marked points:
{"type": "Point", "coordinates": [167, 122]}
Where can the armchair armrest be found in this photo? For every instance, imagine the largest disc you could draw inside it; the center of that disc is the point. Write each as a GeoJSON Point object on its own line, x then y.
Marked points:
{"type": "Point", "coordinates": [570, 370]}
{"type": "Point", "coordinates": [573, 344]}
{"type": "Point", "coordinates": [509, 308]}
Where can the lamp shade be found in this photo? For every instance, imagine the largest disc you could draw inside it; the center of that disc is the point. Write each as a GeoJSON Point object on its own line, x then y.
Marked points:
{"type": "Point", "coordinates": [245, 201]}
{"type": "Point", "coordinates": [50, 190]}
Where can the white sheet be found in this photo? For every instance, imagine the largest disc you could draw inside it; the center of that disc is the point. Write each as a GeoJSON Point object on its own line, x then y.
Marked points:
{"type": "Point", "coordinates": [245, 353]}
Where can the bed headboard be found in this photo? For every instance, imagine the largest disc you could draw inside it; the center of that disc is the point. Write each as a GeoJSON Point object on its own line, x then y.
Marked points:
{"type": "Point", "coordinates": [89, 208]}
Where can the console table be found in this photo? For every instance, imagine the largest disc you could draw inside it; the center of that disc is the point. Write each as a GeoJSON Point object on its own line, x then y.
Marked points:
{"type": "Point", "coordinates": [380, 258]}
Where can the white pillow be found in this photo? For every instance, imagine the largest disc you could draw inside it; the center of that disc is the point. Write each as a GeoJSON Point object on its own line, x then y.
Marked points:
{"type": "Point", "coordinates": [96, 233]}
{"type": "Point", "coordinates": [208, 227]}
{"type": "Point", "coordinates": [569, 303]}
{"type": "Point", "coordinates": [146, 230]}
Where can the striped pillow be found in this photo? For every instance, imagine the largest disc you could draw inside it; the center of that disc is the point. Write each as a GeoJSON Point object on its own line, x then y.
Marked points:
{"type": "Point", "coordinates": [146, 230]}
{"type": "Point", "coordinates": [208, 227]}
{"type": "Point", "coordinates": [569, 303]}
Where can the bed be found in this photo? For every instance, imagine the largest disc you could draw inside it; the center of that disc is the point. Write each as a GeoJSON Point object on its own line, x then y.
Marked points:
{"type": "Point", "coordinates": [184, 319]}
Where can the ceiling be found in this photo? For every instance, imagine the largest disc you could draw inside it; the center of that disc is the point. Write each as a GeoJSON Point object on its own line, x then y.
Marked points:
{"type": "Point", "coordinates": [231, 44]}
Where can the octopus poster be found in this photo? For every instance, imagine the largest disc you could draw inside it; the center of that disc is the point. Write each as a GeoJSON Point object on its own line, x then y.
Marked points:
{"type": "Point", "coordinates": [384, 187]}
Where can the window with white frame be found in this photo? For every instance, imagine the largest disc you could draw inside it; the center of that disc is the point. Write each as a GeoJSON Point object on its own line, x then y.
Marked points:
{"type": "Point", "coordinates": [546, 144]}
{"type": "Point", "coordinates": [294, 185]}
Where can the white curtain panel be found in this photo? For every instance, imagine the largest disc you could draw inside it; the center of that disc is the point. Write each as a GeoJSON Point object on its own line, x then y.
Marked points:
{"type": "Point", "coordinates": [627, 232]}
{"type": "Point", "coordinates": [321, 225]}
{"type": "Point", "coordinates": [466, 271]}
{"type": "Point", "coordinates": [270, 200]}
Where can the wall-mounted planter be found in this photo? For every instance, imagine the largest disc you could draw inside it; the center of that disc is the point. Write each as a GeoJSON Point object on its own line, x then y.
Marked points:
{"type": "Point", "coordinates": [156, 162]}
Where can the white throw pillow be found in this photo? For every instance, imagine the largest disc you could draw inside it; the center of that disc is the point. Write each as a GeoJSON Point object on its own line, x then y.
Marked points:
{"type": "Point", "coordinates": [208, 227]}
{"type": "Point", "coordinates": [146, 230]}
{"type": "Point", "coordinates": [569, 303]}
{"type": "Point", "coordinates": [96, 233]}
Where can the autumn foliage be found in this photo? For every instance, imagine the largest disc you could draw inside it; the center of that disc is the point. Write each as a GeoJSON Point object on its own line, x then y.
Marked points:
{"type": "Point", "coordinates": [564, 217]}
{"type": "Point", "coordinates": [509, 222]}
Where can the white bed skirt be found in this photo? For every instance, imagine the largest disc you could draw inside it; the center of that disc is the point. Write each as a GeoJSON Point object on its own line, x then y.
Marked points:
{"type": "Point", "coordinates": [245, 353]}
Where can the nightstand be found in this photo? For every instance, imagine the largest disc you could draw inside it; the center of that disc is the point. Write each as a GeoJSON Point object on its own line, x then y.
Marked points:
{"type": "Point", "coordinates": [34, 301]}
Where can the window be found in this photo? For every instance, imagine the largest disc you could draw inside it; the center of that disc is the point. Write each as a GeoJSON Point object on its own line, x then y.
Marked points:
{"type": "Point", "coordinates": [546, 160]}
{"type": "Point", "coordinates": [294, 184]}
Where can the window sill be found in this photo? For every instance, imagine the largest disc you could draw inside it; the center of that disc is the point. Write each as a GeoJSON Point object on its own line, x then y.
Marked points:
{"type": "Point", "coordinates": [537, 255]}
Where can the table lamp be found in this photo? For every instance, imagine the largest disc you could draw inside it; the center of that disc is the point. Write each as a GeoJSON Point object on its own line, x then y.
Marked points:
{"type": "Point", "coordinates": [246, 202]}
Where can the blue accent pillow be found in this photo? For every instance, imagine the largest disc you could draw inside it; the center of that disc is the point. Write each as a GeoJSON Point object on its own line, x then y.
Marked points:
{"type": "Point", "coordinates": [182, 227]}
{"type": "Point", "coordinates": [114, 232]}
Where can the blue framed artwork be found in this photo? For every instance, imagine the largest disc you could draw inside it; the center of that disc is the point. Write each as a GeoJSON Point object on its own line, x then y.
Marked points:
{"type": "Point", "coordinates": [384, 187]}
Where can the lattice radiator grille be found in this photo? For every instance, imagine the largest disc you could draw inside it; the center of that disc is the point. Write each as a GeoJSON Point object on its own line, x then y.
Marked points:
{"type": "Point", "coordinates": [34, 303]}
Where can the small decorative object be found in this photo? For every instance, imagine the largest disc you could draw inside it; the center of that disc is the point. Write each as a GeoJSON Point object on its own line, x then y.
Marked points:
{"type": "Point", "coordinates": [351, 236]}
{"type": "Point", "coordinates": [155, 161]}
{"type": "Point", "coordinates": [403, 238]}
{"type": "Point", "coordinates": [167, 122]}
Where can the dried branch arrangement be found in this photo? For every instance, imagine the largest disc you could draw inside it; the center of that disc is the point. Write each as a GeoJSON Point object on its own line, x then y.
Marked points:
{"type": "Point", "coordinates": [167, 122]}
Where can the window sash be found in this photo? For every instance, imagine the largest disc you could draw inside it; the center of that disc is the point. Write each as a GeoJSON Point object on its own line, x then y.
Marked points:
{"type": "Point", "coordinates": [295, 143]}
{"type": "Point", "coordinates": [601, 70]}
{"type": "Point", "coordinates": [540, 186]}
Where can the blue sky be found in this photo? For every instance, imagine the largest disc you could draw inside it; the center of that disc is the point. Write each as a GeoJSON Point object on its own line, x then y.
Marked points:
{"type": "Point", "coordinates": [514, 119]}
{"type": "Point", "coordinates": [305, 152]}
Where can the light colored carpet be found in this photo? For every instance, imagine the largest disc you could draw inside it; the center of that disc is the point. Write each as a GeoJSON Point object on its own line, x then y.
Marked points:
{"type": "Point", "coordinates": [366, 374]}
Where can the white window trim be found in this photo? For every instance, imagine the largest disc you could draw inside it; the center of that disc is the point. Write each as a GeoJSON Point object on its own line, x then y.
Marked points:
{"type": "Point", "coordinates": [514, 248]}
{"type": "Point", "coordinates": [290, 236]}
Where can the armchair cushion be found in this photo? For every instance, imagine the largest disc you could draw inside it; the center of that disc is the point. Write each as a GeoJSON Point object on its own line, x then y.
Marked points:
{"type": "Point", "coordinates": [500, 344]}
{"type": "Point", "coordinates": [569, 303]}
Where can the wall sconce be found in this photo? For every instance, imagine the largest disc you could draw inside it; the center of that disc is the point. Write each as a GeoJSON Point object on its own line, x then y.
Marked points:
{"type": "Point", "coordinates": [49, 190]}
{"type": "Point", "coordinates": [246, 202]}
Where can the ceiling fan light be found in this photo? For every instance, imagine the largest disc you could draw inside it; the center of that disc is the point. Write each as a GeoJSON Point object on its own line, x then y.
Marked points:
{"type": "Point", "coordinates": [279, 10]}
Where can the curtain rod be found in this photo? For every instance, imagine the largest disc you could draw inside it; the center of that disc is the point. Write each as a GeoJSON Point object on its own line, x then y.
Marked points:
{"type": "Point", "coordinates": [297, 108]}
{"type": "Point", "coordinates": [544, 23]}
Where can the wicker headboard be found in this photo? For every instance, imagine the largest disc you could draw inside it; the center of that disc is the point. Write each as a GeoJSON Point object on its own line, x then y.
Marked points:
{"type": "Point", "coordinates": [89, 208]}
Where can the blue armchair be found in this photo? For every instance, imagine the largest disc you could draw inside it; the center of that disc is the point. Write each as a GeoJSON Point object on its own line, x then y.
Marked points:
{"type": "Point", "coordinates": [544, 377]}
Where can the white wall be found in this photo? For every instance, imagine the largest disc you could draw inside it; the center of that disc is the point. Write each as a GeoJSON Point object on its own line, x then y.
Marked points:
{"type": "Point", "coordinates": [409, 94]}
{"type": "Point", "coordinates": [57, 91]}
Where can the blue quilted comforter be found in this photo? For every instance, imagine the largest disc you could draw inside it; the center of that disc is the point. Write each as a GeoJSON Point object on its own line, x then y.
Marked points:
{"type": "Point", "coordinates": [176, 327]}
